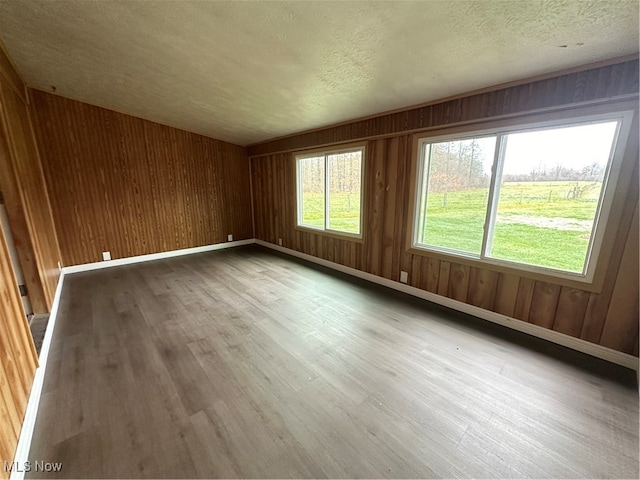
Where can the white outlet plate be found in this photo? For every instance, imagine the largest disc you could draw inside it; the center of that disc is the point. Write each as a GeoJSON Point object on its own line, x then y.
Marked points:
{"type": "Point", "coordinates": [404, 277]}
{"type": "Point", "coordinates": [230, 238]}
{"type": "Point", "coordinates": [106, 255]}
{"type": "Point", "coordinates": [280, 241]}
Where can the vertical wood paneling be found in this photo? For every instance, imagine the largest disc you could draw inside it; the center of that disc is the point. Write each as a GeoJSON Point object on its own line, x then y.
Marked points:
{"type": "Point", "coordinates": [433, 274]}
{"type": "Point", "coordinates": [272, 178]}
{"type": "Point", "coordinates": [388, 195]}
{"type": "Point", "coordinates": [416, 272]}
{"type": "Point", "coordinates": [572, 306]}
{"type": "Point", "coordinates": [402, 229]}
{"type": "Point", "coordinates": [383, 250]}
{"type": "Point", "coordinates": [27, 200]}
{"type": "Point", "coordinates": [458, 282]}
{"type": "Point", "coordinates": [17, 360]}
{"type": "Point", "coordinates": [375, 211]}
{"type": "Point", "coordinates": [443, 278]}
{"type": "Point", "coordinates": [257, 177]}
{"type": "Point", "coordinates": [19, 228]}
{"type": "Point", "coordinates": [623, 215]}
{"type": "Point", "coordinates": [134, 187]}
{"type": "Point", "coordinates": [11, 426]}
{"type": "Point", "coordinates": [544, 303]}
{"type": "Point", "coordinates": [29, 212]}
{"type": "Point", "coordinates": [621, 324]}
{"type": "Point", "coordinates": [506, 294]}
{"type": "Point", "coordinates": [524, 299]}
{"type": "Point", "coordinates": [482, 288]}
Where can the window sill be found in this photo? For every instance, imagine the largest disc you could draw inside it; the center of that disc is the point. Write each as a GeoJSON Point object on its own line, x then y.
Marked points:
{"type": "Point", "coordinates": [332, 233]}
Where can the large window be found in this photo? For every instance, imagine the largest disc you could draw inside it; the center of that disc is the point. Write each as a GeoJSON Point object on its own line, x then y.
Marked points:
{"type": "Point", "coordinates": [329, 188]}
{"type": "Point", "coordinates": [536, 195]}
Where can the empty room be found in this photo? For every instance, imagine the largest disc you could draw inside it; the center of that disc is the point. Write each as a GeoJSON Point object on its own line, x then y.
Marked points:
{"type": "Point", "coordinates": [319, 239]}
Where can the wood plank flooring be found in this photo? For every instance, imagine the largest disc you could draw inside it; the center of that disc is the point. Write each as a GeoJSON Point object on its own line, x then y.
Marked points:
{"type": "Point", "coordinates": [247, 363]}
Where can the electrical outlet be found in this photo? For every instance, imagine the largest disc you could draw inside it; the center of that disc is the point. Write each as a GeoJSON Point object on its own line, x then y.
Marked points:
{"type": "Point", "coordinates": [230, 238]}
{"type": "Point", "coordinates": [280, 241]}
{"type": "Point", "coordinates": [106, 255]}
{"type": "Point", "coordinates": [404, 277]}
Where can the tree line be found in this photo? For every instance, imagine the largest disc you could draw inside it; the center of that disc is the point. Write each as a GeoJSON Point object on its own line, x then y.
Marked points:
{"type": "Point", "coordinates": [593, 172]}
{"type": "Point", "coordinates": [344, 173]}
{"type": "Point", "coordinates": [458, 165]}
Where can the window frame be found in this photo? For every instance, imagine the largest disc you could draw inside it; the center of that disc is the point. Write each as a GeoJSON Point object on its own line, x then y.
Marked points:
{"type": "Point", "coordinates": [326, 152]}
{"type": "Point", "coordinates": [592, 276]}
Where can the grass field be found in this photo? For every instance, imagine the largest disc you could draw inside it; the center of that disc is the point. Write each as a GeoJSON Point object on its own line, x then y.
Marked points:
{"type": "Point", "coordinates": [536, 224]}
{"type": "Point", "coordinates": [344, 211]}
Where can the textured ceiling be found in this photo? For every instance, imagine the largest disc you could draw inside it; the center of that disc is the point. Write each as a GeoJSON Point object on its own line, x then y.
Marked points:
{"type": "Point", "coordinates": [247, 71]}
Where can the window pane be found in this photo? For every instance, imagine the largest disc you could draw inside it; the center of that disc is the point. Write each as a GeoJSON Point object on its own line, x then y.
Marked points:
{"type": "Point", "coordinates": [456, 184]}
{"type": "Point", "coordinates": [550, 193]}
{"type": "Point", "coordinates": [311, 191]}
{"type": "Point", "coordinates": [345, 178]}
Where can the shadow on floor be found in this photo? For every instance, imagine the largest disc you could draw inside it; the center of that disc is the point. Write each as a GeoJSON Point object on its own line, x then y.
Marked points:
{"type": "Point", "coordinates": [38, 325]}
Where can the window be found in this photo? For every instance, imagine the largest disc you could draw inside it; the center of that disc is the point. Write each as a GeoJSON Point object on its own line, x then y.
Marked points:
{"type": "Point", "coordinates": [329, 188]}
{"type": "Point", "coordinates": [534, 196]}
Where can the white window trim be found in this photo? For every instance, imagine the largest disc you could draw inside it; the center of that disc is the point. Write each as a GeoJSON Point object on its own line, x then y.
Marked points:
{"type": "Point", "coordinates": [604, 203]}
{"type": "Point", "coordinates": [325, 154]}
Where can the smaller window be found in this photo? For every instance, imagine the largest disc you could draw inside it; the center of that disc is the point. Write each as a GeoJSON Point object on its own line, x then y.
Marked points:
{"type": "Point", "coordinates": [329, 191]}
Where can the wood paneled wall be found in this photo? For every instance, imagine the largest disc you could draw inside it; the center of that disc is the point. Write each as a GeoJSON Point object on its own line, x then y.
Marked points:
{"type": "Point", "coordinates": [133, 187]}
{"type": "Point", "coordinates": [17, 361]}
{"type": "Point", "coordinates": [25, 194]}
{"type": "Point", "coordinates": [27, 203]}
{"type": "Point", "coordinates": [609, 317]}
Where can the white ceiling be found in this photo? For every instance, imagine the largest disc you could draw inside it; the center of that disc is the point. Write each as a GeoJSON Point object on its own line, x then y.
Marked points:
{"type": "Point", "coordinates": [247, 71]}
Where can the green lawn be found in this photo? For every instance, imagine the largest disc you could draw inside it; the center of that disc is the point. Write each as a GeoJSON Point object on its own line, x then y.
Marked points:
{"type": "Point", "coordinates": [344, 211]}
{"type": "Point", "coordinates": [537, 223]}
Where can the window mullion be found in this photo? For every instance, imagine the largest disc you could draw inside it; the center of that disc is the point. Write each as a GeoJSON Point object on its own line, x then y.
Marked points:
{"type": "Point", "coordinates": [422, 192]}
{"type": "Point", "coordinates": [494, 195]}
{"type": "Point", "coordinates": [299, 192]}
{"type": "Point", "coordinates": [326, 192]}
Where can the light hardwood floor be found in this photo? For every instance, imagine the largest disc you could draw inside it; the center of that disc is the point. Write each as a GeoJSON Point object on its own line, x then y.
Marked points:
{"type": "Point", "coordinates": [247, 363]}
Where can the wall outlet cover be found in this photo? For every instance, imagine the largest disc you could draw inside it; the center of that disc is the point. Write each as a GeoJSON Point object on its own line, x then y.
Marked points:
{"type": "Point", "coordinates": [404, 277]}
{"type": "Point", "coordinates": [230, 238]}
{"type": "Point", "coordinates": [106, 255]}
{"type": "Point", "coordinates": [280, 241]}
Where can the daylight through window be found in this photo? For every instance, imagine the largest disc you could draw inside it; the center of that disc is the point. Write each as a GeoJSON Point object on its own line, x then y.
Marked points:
{"type": "Point", "coordinates": [329, 188]}
{"type": "Point", "coordinates": [534, 196]}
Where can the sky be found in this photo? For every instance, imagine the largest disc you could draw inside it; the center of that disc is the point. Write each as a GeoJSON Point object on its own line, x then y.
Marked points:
{"type": "Point", "coordinates": [573, 147]}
